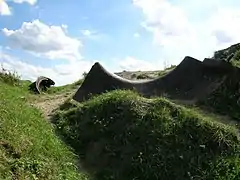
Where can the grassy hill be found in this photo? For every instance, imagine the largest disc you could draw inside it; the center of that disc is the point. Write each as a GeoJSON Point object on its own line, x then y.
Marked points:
{"type": "Point", "coordinates": [225, 99]}
{"type": "Point", "coordinates": [119, 135]}
{"type": "Point", "coordinates": [29, 148]}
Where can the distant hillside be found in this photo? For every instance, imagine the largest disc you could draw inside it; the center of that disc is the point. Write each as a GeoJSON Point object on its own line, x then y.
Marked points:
{"type": "Point", "coordinates": [138, 75]}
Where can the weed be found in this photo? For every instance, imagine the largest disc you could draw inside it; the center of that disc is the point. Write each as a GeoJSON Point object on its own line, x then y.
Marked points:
{"type": "Point", "coordinates": [6, 76]}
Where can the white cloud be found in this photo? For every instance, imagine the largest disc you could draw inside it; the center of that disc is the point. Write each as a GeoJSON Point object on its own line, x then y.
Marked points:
{"type": "Point", "coordinates": [86, 32]}
{"type": "Point", "coordinates": [31, 2]}
{"type": "Point", "coordinates": [224, 25]}
{"type": "Point", "coordinates": [161, 17]}
{"type": "Point", "coordinates": [64, 26]}
{"type": "Point", "coordinates": [4, 8]}
{"type": "Point", "coordinates": [132, 64]}
{"type": "Point", "coordinates": [61, 74]}
{"type": "Point", "coordinates": [43, 40]}
{"type": "Point", "coordinates": [68, 73]}
{"type": "Point", "coordinates": [136, 35]}
{"type": "Point", "coordinates": [196, 28]}
{"type": "Point", "coordinates": [91, 34]}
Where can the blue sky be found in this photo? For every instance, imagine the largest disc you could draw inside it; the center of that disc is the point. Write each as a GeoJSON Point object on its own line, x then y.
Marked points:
{"type": "Point", "coordinates": [61, 38]}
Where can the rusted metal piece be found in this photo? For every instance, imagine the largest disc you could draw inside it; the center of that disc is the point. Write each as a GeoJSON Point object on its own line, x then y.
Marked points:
{"type": "Point", "coordinates": [191, 79]}
{"type": "Point", "coordinates": [41, 84]}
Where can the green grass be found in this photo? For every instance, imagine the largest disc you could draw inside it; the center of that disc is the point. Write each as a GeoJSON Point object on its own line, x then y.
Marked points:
{"type": "Point", "coordinates": [143, 76]}
{"type": "Point", "coordinates": [236, 59]}
{"type": "Point", "coordinates": [65, 88]}
{"type": "Point", "coordinates": [226, 98]}
{"type": "Point", "coordinates": [29, 149]}
{"type": "Point", "coordinates": [224, 53]}
{"type": "Point", "coordinates": [9, 77]}
{"type": "Point", "coordinates": [117, 135]}
{"type": "Point", "coordinates": [166, 71]}
{"type": "Point", "coordinates": [120, 135]}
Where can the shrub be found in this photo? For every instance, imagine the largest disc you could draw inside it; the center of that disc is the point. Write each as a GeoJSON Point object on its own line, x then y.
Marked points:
{"type": "Point", "coordinates": [119, 135]}
{"type": "Point", "coordinates": [84, 74]}
{"type": "Point", "coordinates": [236, 59]}
{"type": "Point", "coordinates": [166, 70]}
{"type": "Point", "coordinates": [236, 56]}
{"type": "Point", "coordinates": [226, 98]}
{"type": "Point", "coordinates": [143, 76]}
{"type": "Point", "coordinates": [11, 78]}
{"type": "Point", "coordinates": [133, 76]}
{"type": "Point", "coordinates": [65, 88]}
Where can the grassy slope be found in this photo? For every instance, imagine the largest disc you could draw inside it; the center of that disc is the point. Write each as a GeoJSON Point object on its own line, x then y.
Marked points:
{"type": "Point", "coordinates": [137, 75]}
{"type": "Point", "coordinates": [28, 146]}
{"type": "Point", "coordinates": [119, 135]}
{"type": "Point", "coordinates": [225, 99]}
{"type": "Point", "coordinates": [61, 89]}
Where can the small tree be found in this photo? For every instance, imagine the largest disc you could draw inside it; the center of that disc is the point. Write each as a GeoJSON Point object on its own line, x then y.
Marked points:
{"type": "Point", "coordinates": [84, 74]}
{"type": "Point", "coordinates": [166, 64]}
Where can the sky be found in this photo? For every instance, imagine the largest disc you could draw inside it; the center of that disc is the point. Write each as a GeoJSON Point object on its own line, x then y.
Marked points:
{"type": "Point", "coordinates": [61, 39]}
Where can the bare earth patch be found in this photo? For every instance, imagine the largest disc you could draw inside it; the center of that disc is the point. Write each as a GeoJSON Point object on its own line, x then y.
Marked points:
{"type": "Point", "coordinates": [49, 103]}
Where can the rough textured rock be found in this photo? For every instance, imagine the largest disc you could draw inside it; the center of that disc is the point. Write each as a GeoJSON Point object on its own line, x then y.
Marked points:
{"type": "Point", "coordinates": [191, 79]}
{"type": "Point", "coordinates": [41, 84]}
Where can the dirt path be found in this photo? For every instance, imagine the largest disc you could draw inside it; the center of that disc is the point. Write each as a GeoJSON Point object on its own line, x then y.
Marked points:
{"type": "Point", "coordinates": [49, 103]}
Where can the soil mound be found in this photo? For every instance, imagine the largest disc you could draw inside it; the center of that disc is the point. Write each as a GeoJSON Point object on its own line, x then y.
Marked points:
{"type": "Point", "coordinates": [191, 79]}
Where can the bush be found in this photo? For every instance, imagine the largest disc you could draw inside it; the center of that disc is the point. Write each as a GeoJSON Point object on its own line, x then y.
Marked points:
{"type": "Point", "coordinates": [166, 71]}
{"type": "Point", "coordinates": [119, 135]}
{"type": "Point", "coordinates": [236, 56]}
{"type": "Point", "coordinates": [11, 78]}
{"type": "Point", "coordinates": [224, 53]}
{"type": "Point", "coordinates": [226, 98]}
{"type": "Point", "coordinates": [143, 76]}
{"type": "Point", "coordinates": [236, 59]}
{"type": "Point", "coordinates": [65, 88]}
